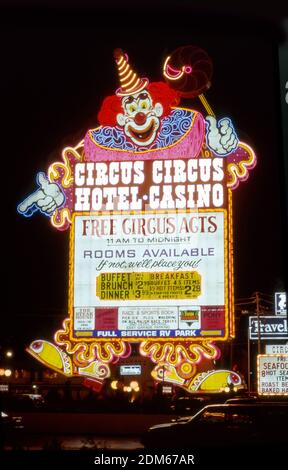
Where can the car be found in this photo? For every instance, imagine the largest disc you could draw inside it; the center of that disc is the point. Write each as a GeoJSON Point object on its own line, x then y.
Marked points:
{"type": "Point", "coordinates": [25, 402]}
{"type": "Point", "coordinates": [243, 400]}
{"type": "Point", "coordinates": [188, 405]}
{"type": "Point", "coordinates": [223, 425]}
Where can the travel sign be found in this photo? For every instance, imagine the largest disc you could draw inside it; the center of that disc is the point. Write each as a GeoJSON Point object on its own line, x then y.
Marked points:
{"type": "Point", "coordinates": [268, 327]}
{"type": "Point", "coordinates": [147, 196]}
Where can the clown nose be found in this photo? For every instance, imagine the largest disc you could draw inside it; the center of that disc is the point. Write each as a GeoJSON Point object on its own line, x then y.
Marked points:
{"type": "Point", "coordinates": [140, 119]}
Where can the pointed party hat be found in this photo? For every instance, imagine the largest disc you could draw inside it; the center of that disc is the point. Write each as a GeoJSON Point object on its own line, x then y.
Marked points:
{"type": "Point", "coordinates": [129, 80]}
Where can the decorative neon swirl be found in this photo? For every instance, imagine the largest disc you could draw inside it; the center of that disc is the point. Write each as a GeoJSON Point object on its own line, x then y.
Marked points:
{"type": "Point", "coordinates": [174, 354]}
{"type": "Point", "coordinates": [238, 171]}
{"type": "Point", "coordinates": [84, 353]}
{"type": "Point", "coordinates": [54, 171]}
{"type": "Point", "coordinates": [61, 218]}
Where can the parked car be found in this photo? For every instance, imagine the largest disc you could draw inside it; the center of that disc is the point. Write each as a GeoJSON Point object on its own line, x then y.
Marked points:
{"type": "Point", "coordinates": [25, 402]}
{"type": "Point", "coordinates": [188, 405]}
{"type": "Point", "coordinates": [243, 400]}
{"type": "Point", "coordinates": [224, 425]}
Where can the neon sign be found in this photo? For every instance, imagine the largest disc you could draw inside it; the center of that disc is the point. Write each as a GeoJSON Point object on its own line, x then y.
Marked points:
{"type": "Point", "coordinates": [272, 374]}
{"type": "Point", "coordinates": [147, 196]}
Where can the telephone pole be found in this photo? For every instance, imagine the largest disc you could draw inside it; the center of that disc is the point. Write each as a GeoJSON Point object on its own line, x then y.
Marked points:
{"type": "Point", "coordinates": [257, 300]}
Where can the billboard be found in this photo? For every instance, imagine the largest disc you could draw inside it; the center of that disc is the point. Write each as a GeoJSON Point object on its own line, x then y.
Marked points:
{"type": "Point", "coordinates": [268, 327]}
{"type": "Point", "coordinates": [151, 284]}
{"type": "Point", "coordinates": [147, 196]}
{"type": "Point", "coordinates": [272, 373]}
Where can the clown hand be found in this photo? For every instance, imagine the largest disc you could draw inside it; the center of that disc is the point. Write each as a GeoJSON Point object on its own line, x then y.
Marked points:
{"type": "Point", "coordinates": [221, 137]}
{"type": "Point", "coordinates": [46, 198]}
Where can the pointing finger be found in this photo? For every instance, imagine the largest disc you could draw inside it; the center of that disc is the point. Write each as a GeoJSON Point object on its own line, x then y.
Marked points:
{"type": "Point", "coordinates": [30, 200]}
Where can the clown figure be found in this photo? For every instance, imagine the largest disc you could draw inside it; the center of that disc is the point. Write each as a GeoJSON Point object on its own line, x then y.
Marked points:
{"type": "Point", "coordinates": [140, 121]}
{"type": "Point", "coordinates": [142, 133]}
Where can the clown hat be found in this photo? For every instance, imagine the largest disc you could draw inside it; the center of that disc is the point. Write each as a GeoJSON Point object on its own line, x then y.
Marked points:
{"type": "Point", "coordinates": [129, 80]}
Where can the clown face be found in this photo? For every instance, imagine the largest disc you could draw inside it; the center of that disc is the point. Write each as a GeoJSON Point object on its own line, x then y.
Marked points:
{"type": "Point", "coordinates": [141, 119]}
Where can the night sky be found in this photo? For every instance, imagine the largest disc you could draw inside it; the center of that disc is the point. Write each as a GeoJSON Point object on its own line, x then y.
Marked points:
{"type": "Point", "coordinates": [57, 67]}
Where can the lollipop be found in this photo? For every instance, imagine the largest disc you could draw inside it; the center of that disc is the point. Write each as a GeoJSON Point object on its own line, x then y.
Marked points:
{"type": "Point", "coordinates": [188, 70]}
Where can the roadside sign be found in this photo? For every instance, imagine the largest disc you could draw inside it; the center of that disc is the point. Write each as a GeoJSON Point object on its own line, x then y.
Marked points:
{"type": "Point", "coordinates": [276, 348]}
{"type": "Point", "coordinates": [271, 327]}
{"type": "Point", "coordinates": [272, 372]}
{"type": "Point", "coordinates": [280, 303]}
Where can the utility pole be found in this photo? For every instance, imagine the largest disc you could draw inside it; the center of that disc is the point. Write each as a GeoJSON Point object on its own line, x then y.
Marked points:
{"type": "Point", "coordinates": [249, 362]}
{"type": "Point", "coordinates": [257, 299]}
{"type": "Point", "coordinates": [258, 320]}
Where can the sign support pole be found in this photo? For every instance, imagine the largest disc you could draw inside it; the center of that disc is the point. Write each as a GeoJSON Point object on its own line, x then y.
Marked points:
{"type": "Point", "coordinates": [249, 365]}
{"type": "Point", "coordinates": [258, 319]}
